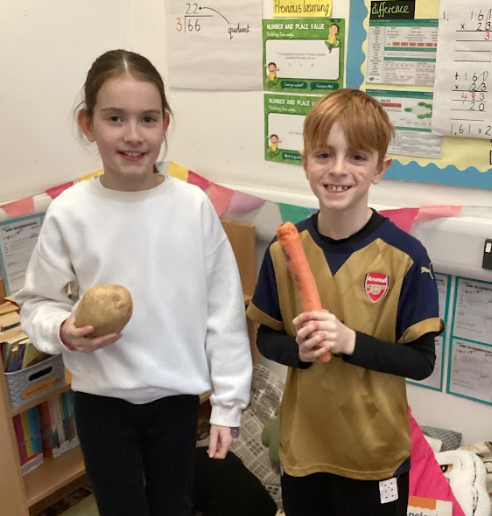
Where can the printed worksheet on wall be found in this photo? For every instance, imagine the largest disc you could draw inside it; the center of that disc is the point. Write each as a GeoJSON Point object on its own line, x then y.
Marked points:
{"type": "Point", "coordinates": [401, 51]}
{"type": "Point", "coordinates": [410, 113]}
{"type": "Point", "coordinates": [17, 240]}
{"type": "Point", "coordinates": [216, 45]}
{"type": "Point", "coordinates": [463, 70]}
{"type": "Point", "coordinates": [470, 369]}
{"type": "Point", "coordinates": [435, 380]}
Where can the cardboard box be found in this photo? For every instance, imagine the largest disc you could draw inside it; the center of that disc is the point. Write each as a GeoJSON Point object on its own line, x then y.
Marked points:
{"type": "Point", "coordinates": [418, 506]}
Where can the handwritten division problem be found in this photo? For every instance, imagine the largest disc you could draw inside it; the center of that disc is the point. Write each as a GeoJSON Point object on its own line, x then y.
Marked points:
{"type": "Point", "coordinates": [195, 18]}
{"type": "Point", "coordinates": [215, 45]}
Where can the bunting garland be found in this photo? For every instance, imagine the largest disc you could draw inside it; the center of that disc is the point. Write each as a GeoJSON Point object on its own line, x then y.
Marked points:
{"type": "Point", "coordinates": [55, 191]}
{"type": "Point", "coordinates": [228, 201]}
{"type": "Point", "coordinates": [19, 208]}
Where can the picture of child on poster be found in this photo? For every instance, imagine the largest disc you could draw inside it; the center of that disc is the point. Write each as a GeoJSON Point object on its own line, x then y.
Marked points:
{"type": "Point", "coordinates": [332, 40]}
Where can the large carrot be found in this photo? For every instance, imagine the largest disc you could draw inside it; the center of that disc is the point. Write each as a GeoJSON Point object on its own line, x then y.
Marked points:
{"type": "Point", "coordinates": [293, 250]}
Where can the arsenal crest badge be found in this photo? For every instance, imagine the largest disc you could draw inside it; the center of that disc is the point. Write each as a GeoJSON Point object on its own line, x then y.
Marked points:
{"type": "Point", "coordinates": [376, 285]}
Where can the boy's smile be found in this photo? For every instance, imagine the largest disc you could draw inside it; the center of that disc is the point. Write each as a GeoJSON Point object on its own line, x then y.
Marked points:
{"type": "Point", "coordinates": [335, 188]}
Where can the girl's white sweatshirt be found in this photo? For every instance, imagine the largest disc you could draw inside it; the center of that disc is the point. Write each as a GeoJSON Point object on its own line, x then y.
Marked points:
{"type": "Point", "coordinates": [166, 245]}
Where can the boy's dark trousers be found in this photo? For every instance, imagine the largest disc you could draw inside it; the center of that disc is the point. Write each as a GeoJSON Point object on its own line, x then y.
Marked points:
{"type": "Point", "coordinates": [324, 494]}
{"type": "Point", "coordinates": [139, 457]}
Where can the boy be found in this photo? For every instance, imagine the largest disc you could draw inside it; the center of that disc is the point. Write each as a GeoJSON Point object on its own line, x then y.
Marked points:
{"type": "Point", "coordinates": [345, 440]}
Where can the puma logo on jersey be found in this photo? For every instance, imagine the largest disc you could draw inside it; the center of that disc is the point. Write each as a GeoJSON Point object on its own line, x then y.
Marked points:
{"type": "Point", "coordinates": [428, 270]}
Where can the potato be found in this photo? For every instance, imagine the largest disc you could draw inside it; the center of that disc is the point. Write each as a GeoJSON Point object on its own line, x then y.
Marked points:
{"type": "Point", "coordinates": [107, 308]}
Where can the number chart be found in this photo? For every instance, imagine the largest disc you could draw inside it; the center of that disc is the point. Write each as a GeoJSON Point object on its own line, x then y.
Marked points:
{"type": "Point", "coordinates": [216, 45]}
{"type": "Point", "coordinates": [462, 93]}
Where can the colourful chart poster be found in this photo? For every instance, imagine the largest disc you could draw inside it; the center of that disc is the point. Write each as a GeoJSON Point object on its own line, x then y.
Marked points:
{"type": "Point", "coordinates": [402, 52]}
{"type": "Point", "coordinates": [303, 55]}
{"type": "Point", "coordinates": [410, 113]}
{"type": "Point", "coordinates": [470, 357]}
{"type": "Point", "coordinates": [284, 118]}
{"type": "Point", "coordinates": [435, 380]}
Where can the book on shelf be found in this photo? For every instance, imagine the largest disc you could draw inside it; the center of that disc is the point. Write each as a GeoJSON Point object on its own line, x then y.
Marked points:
{"type": "Point", "coordinates": [58, 429]}
{"type": "Point", "coordinates": [32, 355]}
{"type": "Point", "coordinates": [28, 434]}
{"type": "Point", "coordinates": [9, 341]}
{"type": "Point", "coordinates": [18, 351]}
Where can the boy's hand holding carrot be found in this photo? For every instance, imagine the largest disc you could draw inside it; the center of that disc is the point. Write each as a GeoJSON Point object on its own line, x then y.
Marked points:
{"type": "Point", "coordinates": [320, 332]}
{"type": "Point", "coordinates": [293, 250]}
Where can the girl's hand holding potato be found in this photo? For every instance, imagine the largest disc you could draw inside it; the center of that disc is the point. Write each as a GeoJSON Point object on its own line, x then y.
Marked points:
{"type": "Point", "coordinates": [78, 339]}
{"type": "Point", "coordinates": [102, 313]}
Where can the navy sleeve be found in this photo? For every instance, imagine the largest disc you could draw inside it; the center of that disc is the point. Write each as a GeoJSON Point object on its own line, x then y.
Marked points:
{"type": "Point", "coordinates": [279, 347]}
{"type": "Point", "coordinates": [419, 299]}
{"type": "Point", "coordinates": [265, 296]}
{"type": "Point", "coordinates": [413, 360]}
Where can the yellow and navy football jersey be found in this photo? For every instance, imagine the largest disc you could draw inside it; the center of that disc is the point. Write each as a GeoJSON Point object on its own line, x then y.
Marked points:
{"type": "Point", "coordinates": [337, 417]}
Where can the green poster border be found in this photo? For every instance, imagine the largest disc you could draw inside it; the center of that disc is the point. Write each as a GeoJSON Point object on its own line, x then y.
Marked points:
{"type": "Point", "coordinates": [309, 86]}
{"type": "Point", "coordinates": [285, 155]}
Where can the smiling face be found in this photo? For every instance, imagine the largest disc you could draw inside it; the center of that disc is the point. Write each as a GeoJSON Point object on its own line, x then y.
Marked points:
{"type": "Point", "coordinates": [340, 177]}
{"type": "Point", "coordinates": [346, 136]}
{"type": "Point", "coordinates": [128, 127]}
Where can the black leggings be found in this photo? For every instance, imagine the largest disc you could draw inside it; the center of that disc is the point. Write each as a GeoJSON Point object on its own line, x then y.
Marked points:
{"type": "Point", "coordinates": [324, 494]}
{"type": "Point", "coordinates": [139, 457]}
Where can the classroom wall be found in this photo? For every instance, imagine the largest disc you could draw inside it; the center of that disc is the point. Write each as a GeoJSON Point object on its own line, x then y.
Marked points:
{"type": "Point", "coordinates": [48, 48]}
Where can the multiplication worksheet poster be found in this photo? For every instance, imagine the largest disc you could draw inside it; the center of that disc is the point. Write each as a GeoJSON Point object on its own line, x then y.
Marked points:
{"type": "Point", "coordinates": [471, 341]}
{"type": "Point", "coordinates": [463, 69]}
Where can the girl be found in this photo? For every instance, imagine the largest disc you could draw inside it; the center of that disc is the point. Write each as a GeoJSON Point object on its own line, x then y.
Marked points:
{"type": "Point", "coordinates": [136, 393]}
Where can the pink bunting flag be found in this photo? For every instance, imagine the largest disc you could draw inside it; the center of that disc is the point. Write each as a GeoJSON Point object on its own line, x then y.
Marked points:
{"type": "Point", "coordinates": [55, 191]}
{"type": "Point", "coordinates": [437, 211]}
{"type": "Point", "coordinates": [198, 180]}
{"type": "Point", "coordinates": [244, 203]}
{"type": "Point", "coordinates": [220, 196]}
{"type": "Point", "coordinates": [401, 217]}
{"type": "Point", "coordinates": [19, 208]}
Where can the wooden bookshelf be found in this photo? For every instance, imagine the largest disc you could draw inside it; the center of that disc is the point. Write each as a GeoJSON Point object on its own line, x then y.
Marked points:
{"type": "Point", "coordinates": [53, 474]}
